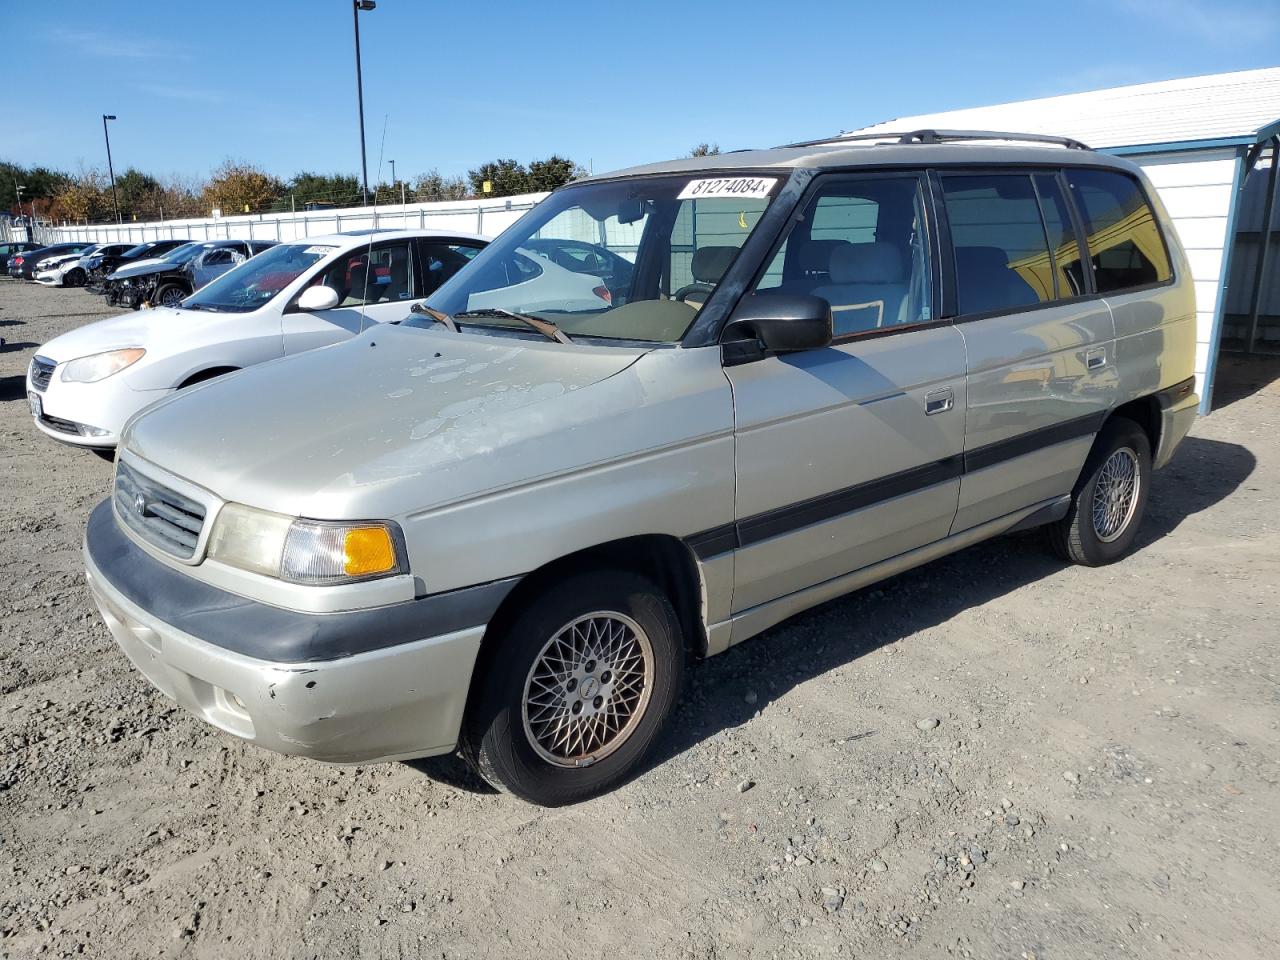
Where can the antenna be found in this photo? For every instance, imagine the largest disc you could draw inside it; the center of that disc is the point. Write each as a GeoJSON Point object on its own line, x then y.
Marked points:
{"type": "Point", "coordinates": [368, 259]}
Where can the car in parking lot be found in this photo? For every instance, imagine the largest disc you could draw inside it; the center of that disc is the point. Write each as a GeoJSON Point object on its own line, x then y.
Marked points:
{"type": "Point", "coordinates": [23, 265]}
{"type": "Point", "coordinates": [84, 385]}
{"type": "Point", "coordinates": [130, 256]}
{"type": "Point", "coordinates": [72, 270]}
{"type": "Point", "coordinates": [165, 281]}
{"type": "Point", "coordinates": [12, 248]}
{"type": "Point", "coordinates": [505, 526]}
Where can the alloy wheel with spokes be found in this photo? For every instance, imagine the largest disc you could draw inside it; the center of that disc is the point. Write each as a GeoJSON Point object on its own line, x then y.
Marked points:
{"type": "Point", "coordinates": [587, 689]}
{"type": "Point", "coordinates": [1115, 494]}
{"type": "Point", "coordinates": [574, 686]}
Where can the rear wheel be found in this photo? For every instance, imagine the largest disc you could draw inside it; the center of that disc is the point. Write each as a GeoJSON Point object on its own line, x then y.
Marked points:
{"type": "Point", "coordinates": [576, 690]}
{"type": "Point", "coordinates": [1109, 499]}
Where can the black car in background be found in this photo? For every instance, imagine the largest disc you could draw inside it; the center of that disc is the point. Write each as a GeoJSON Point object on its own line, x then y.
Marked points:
{"type": "Point", "coordinates": [23, 266]}
{"type": "Point", "coordinates": [12, 248]}
{"type": "Point", "coordinates": [141, 251]}
{"type": "Point", "coordinates": [179, 274]}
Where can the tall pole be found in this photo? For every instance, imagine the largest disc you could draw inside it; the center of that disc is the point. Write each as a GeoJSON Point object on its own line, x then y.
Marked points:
{"type": "Point", "coordinates": [115, 202]}
{"type": "Point", "coordinates": [356, 7]}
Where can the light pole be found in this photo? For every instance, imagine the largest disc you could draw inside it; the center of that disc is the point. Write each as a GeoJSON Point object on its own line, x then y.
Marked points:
{"type": "Point", "coordinates": [356, 7]}
{"type": "Point", "coordinates": [19, 188]}
{"type": "Point", "coordinates": [115, 203]}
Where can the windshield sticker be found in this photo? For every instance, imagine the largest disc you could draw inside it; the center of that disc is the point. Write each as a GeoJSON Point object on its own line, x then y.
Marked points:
{"type": "Point", "coordinates": [319, 251]}
{"type": "Point", "coordinates": [757, 188]}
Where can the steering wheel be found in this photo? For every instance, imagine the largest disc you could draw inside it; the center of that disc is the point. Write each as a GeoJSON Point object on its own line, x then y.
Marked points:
{"type": "Point", "coordinates": [695, 287]}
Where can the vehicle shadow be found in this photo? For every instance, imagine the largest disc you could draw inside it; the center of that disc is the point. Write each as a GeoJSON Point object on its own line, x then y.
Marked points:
{"type": "Point", "coordinates": [13, 388]}
{"type": "Point", "coordinates": [10, 347]}
{"type": "Point", "coordinates": [727, 690]}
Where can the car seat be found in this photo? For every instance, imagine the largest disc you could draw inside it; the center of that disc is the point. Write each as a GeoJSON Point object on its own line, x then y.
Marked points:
{"type": "Point", "coordinates": [868, 287]}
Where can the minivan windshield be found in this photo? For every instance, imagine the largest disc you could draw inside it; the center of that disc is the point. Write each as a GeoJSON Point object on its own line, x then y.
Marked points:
{"type": "Point", "coordinates": [257, 280]}
{"type": "Point", "coordinates": [630, 259]}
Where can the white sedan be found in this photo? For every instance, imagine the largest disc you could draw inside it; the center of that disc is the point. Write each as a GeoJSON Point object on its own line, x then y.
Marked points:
{"type": "Point", "coordinates": [84, 385]}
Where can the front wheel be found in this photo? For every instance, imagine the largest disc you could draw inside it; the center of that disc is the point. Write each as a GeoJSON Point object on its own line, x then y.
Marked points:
{"type": "Point", "coordinates": [1109, 499]}
{"type": "Point", "coordinates": [73, 278]}
{"type": "Point", "coordinates": [576, 689]}
{"type": "Point", "coordinates": [169, 295]}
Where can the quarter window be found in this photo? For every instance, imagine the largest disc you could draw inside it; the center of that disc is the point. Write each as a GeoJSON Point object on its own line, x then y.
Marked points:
{"type": "Point", "coordinates": [1125, 245]}
{"type": "Point", "coordinates": [862, 246]}
{"type": "Point", "coordinates": [1001, 248]}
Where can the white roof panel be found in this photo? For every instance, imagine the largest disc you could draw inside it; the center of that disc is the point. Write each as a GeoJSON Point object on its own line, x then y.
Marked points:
{"type": "Point", "coordinates": [1218, 106]}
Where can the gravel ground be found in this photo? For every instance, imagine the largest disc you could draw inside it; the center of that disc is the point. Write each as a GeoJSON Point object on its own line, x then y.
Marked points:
{"type": "Point", "coordinates": [997, 756]}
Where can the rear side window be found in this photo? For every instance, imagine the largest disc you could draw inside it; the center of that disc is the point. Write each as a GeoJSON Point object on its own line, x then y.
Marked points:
{"type": "Point", "coordinates": [1125, 245]}
{"type": "Point", "coordinates": [1001, 247]}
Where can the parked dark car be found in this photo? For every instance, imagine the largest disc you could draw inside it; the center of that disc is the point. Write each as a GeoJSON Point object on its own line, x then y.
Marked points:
{"type": "Point", "coordinates": [181, 273]}
{"type": "Point", "coordinates": [23, 265]}
{"type": "Point", "coordinates": [141, 251]}
{"type": "Point", "coordinates": [14, 247]}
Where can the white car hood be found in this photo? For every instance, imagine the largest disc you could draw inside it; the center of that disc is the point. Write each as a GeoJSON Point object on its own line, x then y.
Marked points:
{"type": "Point", "coordinates": [136, 329]}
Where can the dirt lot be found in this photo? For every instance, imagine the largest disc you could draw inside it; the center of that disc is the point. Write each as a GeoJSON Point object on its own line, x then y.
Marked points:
{"type": "Point", "coordinates": [1101, 782]}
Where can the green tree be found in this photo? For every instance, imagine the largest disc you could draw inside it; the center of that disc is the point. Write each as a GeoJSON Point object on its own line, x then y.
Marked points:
{"type": "Point", "coordinates": [508, 177]}
{"type": "Point", "coordinates": [552, 173]}
{"type": "Point", "coordinates": [38, 183]}
{"type": "Point", "coordinates": [237, 187]}
{"type": "Point", "coordinates": [705, 150]}
{"type": "Point", "coordinates": [432, 186]}
{"type": "Point", "coordinates": [136, 193]}
{"type": "Point", "coordinates": [340, 189]}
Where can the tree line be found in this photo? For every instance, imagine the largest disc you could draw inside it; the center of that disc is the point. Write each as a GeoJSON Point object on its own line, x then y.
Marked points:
{"type": "Point", "coordinates": [238, 187]}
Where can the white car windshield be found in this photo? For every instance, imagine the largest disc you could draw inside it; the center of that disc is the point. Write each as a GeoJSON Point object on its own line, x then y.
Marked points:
{"type": "Point", "coordinates": [258, 280]}
{"type": "Point", "coordinates": [630, 260]}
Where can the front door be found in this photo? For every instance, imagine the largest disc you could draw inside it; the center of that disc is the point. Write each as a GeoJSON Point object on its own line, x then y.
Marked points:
{"type": "Point", "coordinates": [851, 454]}
{"type": "Point", "coordinates": [374, 284]}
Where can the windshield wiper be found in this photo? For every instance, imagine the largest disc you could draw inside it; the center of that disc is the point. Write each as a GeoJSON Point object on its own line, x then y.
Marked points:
{"type": "Point", "coordinates": [439, 316]}
{"type": "Point", "coordinates": [544, 327]}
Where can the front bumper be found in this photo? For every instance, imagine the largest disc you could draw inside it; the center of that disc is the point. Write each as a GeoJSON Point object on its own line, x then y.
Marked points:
{"type": "Point", "coordinates": [387, 703]}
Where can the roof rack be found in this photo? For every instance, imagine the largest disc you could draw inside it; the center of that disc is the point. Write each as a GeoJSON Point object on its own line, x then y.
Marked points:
{"type": "Point", "coordinates": [946, 136]}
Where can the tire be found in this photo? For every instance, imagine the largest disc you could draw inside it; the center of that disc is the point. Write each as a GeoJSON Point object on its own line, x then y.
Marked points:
{"type": "Point", "coordinates": [515, 749]}
{"type": "Point", "coordinates": [168, 295]}
{"type": "Point", "coordinates": [1091, 538]}
{"type": "Point", "coordinates": [73, 278]}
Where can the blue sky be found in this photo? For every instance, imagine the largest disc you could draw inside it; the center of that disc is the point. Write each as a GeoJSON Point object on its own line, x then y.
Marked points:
{"type": "Point", "coordinates": [607, 84]}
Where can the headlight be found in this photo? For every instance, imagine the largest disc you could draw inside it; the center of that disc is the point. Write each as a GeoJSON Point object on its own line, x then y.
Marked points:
{"type": "Point", "coordinates": [99, 366]}
{"type": "Point", "coordinates": [304, 551]}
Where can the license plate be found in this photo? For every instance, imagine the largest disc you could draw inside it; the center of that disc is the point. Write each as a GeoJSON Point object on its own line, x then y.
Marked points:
{"type": "Point", "coordinates": [37, 408]}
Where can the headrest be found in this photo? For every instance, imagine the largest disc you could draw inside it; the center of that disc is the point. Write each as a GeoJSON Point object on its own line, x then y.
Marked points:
{"type": "Point", "coordinates": [815, 256]}
{"type": "Point", "coordinates": [710, 263]}
{"type": "Point", "coordinates": [876, 262]}
{"type": "Point", "coordinates": [990, 259]}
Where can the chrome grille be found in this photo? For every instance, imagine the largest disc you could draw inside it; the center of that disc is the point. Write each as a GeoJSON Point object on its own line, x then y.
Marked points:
{"type": "Point", "coordinates": [163, 517]}
{"type": "Point", "coordinates": [41, 372]}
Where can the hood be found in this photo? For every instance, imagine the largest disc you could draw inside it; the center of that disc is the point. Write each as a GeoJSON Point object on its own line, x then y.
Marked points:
{"type": "Point", "coordinates": [336, 432]}
{"type": "Point", "coordinates": [59, 259]}
{"type": "Point", "coordinates": [133, 329]}
{"type": "Point", "coordinates": [144, 268]}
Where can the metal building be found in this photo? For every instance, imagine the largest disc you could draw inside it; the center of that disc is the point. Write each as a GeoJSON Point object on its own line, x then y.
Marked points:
{"type": "Point", "coordinates": [1209, 145]}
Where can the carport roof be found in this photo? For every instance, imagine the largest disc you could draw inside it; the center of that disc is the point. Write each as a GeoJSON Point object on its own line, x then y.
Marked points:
{"type": "Point", "coordinates": [1220, 109]}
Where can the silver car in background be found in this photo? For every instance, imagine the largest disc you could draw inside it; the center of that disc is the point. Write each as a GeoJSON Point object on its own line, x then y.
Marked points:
{"type": "Point", "coordinates": [506, 524]}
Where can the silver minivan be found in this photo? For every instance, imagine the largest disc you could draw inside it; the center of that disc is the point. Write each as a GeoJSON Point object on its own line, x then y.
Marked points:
{"type": "Point", "coordinates": [506, 523]}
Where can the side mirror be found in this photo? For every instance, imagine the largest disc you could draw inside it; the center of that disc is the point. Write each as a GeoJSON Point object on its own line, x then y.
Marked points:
{"type": "Point", "coordinates": [766, 323]}
{"type": "Point", "coordinates": [318, 298]}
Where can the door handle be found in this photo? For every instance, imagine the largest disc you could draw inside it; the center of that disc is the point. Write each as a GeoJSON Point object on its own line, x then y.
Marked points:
{"type": "Point", "coordinates": [1095, 358]}
{"type": "Point", "coordinates": [938, 401]}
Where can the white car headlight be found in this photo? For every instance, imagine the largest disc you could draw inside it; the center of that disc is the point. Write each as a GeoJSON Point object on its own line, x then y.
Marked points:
{"type": "Point", "coordinates": [99, 366]}
{"type": "Point", "coordinates": [304, 551]}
